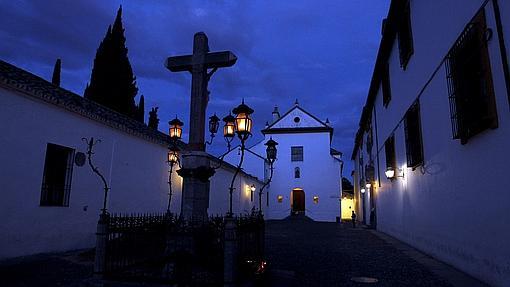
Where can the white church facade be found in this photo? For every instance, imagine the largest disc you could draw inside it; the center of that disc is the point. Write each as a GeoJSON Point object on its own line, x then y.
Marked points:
{"type": "Point", "coordinates": [51, 202]}
{"type": "Point", "coordinates": [307, 173]}
{"type": "Point", "coordinates": [431, 152]}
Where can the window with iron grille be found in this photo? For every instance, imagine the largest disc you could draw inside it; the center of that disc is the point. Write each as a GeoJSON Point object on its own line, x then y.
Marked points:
{"type": "Point", "coordinates": [405, 35]}
{"type": "Point", "coordinates": [389, 147]}
{"type": "Point", "coordinates": [58, 170]}
{"type": "Point", "coordinates": [297, 172]}
{"type": "Point", "coordinates": [386, 87]}
{"type": "Point", "coordinates": [296, 153]}
{"type": "Point", "coordinates": [414, 144]}
{"type": "Point", "coordinates": [469, 78]}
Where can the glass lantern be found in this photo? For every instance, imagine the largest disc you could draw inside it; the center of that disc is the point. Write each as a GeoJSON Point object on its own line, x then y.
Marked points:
{"type": "Point", "coordinates": [243, 121]}
{"type": "Point", "coordinates": [214, 123]}
{"type": "Point", "coordinates": [175, 129]}
{"type": "Point", "coordinates": [271, 150]}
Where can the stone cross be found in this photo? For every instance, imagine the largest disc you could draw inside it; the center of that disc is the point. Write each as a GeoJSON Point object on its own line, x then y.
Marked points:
{"type": "Point", "coordinates": [198, 63]}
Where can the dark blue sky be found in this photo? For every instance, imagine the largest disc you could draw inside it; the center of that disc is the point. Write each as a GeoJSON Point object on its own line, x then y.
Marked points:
{"type": "Point", "coordinates": [320, 52]}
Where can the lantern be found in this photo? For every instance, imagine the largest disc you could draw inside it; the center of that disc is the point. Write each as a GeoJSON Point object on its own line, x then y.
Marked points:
{"type": "Point", "coordinates": [243, 121]}
{"type": "Point", "coordinates": [214, 123]}
{"type": "Point", "coordinates": [175, 129]}
{"type": "Point", "coordinates": [271, 150]}
{"type": "Point", "coordinates": [229, 127]}
{"type": "Point", "coordinates": [390, 172]}
{"type": "Point", "coordinates": [173, 157]}
{"type": "Point", "coordinates": [253, 188]}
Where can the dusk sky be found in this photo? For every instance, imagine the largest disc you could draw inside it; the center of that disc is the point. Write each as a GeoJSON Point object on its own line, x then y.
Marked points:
{"type": "Point", "coordinates": [319, 52]}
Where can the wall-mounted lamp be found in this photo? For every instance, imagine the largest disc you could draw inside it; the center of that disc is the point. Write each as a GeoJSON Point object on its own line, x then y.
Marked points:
{"type": "Point", "coordinates": [363, 190]}
{"type": "Point", "coordinates": [392, 173]}
{"type": "Point", "coordinates": [315, 199]}
{"type": "Point", "coordinates": [368, 185]}
{"type": "Point", "coordinates": [280, 198]}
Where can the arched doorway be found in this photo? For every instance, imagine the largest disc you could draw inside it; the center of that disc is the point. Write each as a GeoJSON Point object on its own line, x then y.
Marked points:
{"type": "Point", "coordinates": [298, 201]}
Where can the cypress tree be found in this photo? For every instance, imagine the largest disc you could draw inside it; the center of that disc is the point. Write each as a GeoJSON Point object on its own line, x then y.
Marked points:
{"type": "Point", "coordinates": [140, 110]}
{"type": "Point", "coordinates": [55, 79]}
{"type": "Point", "coordinates": [112, 82]}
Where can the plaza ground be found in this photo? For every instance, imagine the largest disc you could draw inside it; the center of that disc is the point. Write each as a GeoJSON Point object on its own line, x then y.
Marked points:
{"type": "Point", "coordinates": [300, 252]}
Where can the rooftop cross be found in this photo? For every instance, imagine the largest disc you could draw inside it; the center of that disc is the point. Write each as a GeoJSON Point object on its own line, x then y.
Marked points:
{"type": "Point", "coordinates": [198, 64]}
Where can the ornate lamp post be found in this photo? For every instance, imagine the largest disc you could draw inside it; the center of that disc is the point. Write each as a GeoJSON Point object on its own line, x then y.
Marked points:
{"type": "Point", "coordinates": [175, 133]}
{"type": "Point", "coordinates": [90, 145]}
{"type": "Point", "coordinates": [173, 158]}
{"type": "Point", "coordinates": [271, 152]}
{"type": "Point", "coordinates": [243, 125]}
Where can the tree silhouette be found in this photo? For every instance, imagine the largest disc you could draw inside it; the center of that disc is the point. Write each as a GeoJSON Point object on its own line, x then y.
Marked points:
{"type": "Point", "coordinates": [112, 82]}
{"type": "Point", "coordinates": [55, 79]}
{"type": "Point", "coordinates": [140, 110]}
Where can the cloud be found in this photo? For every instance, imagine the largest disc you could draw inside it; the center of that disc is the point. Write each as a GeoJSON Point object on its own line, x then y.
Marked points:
{"type": "Point", "coordinates": [321, 53]}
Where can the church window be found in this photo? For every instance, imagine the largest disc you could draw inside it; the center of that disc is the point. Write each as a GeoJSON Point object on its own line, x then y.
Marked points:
{"type": "Point", "coordinates": [470, 86]}
{"type": "Point", "coordinates": [279, 198]}
{"type": "Point", "coordinates": [297, 172]}
{"type": "Point", "coordinates": [414, 144]}
{"type": "Point", "coordinates": [58, 169]}
{"type": "Point", "coordinates": [315, 199]}
{"type": "Point", "coordinates": [405, 35]}
{"type": "Point", "coordinates": [296, 153]}
{"type": "Point", "coordinates": [386, 86]}
{"type": "Point", "coordinates": [389, 147]}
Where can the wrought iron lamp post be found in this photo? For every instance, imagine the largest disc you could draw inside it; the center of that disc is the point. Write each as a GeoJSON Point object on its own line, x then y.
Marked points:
{"type": "Point", "coordinates": [271, 152]}
{"type": "Point", "coordinates": [175, 133]}
{"type": "Point", "coordinates": [243, 125]}
{"type": "Point", "coordinates": [90, 145]}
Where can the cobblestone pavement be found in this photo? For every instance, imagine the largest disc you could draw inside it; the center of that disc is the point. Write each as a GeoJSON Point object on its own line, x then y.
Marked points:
{"type": "Point", "coordinates": [300, 253]}
{"type": "Point", "coordinates": [306, 253]}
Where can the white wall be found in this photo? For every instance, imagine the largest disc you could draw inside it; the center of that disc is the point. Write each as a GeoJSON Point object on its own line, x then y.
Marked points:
{"type": "Point", "coordinates": [320, 176]}
{"type": "Point", "coordinates": [455, 206]}
{"type": "Point", "coordinates": [138, 180]}
{"type": "Point", "coordinates": [135, 168]}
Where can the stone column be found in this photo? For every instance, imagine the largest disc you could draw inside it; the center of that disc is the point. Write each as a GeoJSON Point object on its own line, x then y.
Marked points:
{"type": "Point", "coordinates": [230, 252]}
{"type": "Point", "coordinates": [195, 171]}
{"type": "Point", "coordinates": [101, 240]}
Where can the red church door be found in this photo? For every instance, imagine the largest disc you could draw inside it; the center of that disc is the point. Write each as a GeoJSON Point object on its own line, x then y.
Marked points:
{"type": "Point", "coordinates": [298, 201]}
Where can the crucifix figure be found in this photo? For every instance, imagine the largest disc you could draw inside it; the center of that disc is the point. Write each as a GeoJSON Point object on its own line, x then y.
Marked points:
{"type": "Point", "coordinates": [198, 64]}
{"type": "Point", "coordinates": [196, 169]}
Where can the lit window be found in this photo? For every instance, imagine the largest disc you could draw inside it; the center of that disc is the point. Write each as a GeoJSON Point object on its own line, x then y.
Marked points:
{"type": "Point", "coordinates": [280, 198]}
{"type": "Point", "coordinates": [315, 199]}
{"type": "Point", "coordinates": [58, 169]}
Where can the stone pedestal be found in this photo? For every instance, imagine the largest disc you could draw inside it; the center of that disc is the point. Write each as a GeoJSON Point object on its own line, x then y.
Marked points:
{"type": "Point", "coordinates": [101, 240]}
{"type": "Point", "coordinates": [195, 171]}
{"type": "Point", "coordinates": [231, 252]}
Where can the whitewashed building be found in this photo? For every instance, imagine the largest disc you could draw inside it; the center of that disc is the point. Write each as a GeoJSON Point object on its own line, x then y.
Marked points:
{"type": "Point", "coordinates": [307, 172]}
{"type": "Point", "coordinates": [433, 134]}
{"type": "Point", "coordinates": [50, 202]}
